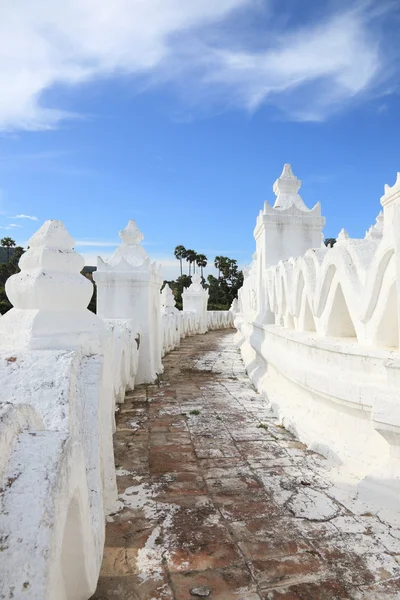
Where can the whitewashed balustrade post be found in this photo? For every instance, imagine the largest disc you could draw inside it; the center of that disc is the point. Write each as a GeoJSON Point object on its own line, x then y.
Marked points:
{"type": "Point", "coordinates": [56, 426]}
{"type": "Point", "coordinates": [128, 287]}
{"type": "Point", "coordinates": [195, 299]}
{"type": "Point", "coordinates": [286, 229]}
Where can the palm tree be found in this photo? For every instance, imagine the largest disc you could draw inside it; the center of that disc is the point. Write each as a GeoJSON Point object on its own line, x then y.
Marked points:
{"type": "Point", "coordinates": [219, 263]}
{"type": "Point", "coordinates": [180, 253]}
{"type": "Point", "coordinates": [8, 243]}
{"type": "Point", "coordinates": [201, 260]}
{"type": "Point", "coordinates": [190, 257]}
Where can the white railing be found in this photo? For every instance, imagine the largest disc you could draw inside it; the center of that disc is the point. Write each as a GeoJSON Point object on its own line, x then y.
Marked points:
{"type": "Point", "coordinates": [63, 370]}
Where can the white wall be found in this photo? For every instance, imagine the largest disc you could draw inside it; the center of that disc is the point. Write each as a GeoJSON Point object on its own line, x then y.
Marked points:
{"type": "Point", "coordinates": [319, 335]}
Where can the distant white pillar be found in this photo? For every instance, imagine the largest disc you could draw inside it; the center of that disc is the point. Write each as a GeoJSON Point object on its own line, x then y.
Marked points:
{"type": "Point", "coordinates": [128, 287]}
{"type": "Point", "coordinates": [195, 299]}
{"type": "Point", "coordinates": [50, 297]}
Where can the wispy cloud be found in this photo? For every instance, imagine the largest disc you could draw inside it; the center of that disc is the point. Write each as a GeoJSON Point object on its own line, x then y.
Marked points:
{"type": "Point", "coordinates": [11, 226]}
{"type": "Point", "coordinates": [96, 244]}
{"type": "Point", "coordinates": [206, 47]}
{"type": "Point", "coordinates": [22, 216]}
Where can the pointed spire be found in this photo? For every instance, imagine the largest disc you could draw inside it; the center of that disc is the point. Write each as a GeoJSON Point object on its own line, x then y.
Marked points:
{"type": "Point", "coordinates": [286, 189]}
{"type": "Point", "coordinates": [168, 303]}
{"type": "Point", "coordinates": [343, 236]}
{"type": "Point", "coordinates": [375, 232]}
{"type": "Point", "coordinates": [130, 253]}
{"type": "Point", "coordinates": [131, 235]}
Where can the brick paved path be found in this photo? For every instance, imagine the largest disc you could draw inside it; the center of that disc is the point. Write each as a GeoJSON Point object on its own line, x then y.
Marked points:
{"type": "Point", "coordinates": [217, 499]}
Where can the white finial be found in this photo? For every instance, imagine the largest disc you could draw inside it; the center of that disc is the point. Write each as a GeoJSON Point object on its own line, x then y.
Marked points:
{"type": "Point", "coordinates": [375, 232]}
{"type": "Point", "coordinates": [131, 235]}
{"type": "Point", "coordinates": [50, 296]}
{"type": "Point", "coordinates": [168, 303]}
{"type": "Point", "coordinates": [286, 189]}
{"type": "Point", "coordinates": [342, 236]}
{"type": "Point", "coordinates": [196, 284]}
{"type": "Point", "coordinates": [130, 253]}
{"type": "Point", "coordinates": [50, 276]}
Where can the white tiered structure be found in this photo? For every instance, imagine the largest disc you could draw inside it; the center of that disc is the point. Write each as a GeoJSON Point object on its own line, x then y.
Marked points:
{"type": "Point", "coordinates": [62, 371]}
{"type": "Point", "coordinates": [318, 329]}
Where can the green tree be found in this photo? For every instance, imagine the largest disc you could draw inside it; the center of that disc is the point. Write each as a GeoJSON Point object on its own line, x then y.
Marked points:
{"type": "Point", "coordinates": [190, 257]}
{"type": "Point", "coordinates": [223, 290]}
{"type": "Point", "coordinates": [8, 243]}
{"type": "Point", "coordinates": [330, 242]}
{"type": "Point", "coordinates": [201, 260]}
{"type": "Point", "coordinates": [180, 254]}
{"type": "Point", "coordinates": [6, 271]}
{"type": "Point", "coordinates": [218, 262]}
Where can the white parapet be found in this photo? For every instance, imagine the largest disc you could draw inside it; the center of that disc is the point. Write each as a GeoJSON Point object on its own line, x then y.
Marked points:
{"type": "Point", "coordinates": [128, 287]}
{"type": "Point", "coordinates": [62, 371]}
{"type": "Point", "coordinates": [319, 333]}
{"type": "Point", "coordinates": [57, 466]}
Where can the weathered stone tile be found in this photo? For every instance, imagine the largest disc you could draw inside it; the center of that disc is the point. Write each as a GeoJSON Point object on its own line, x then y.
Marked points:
{"type": "Point", "coordinates": [240, 508]}
{"type": "Point", "coordinates": [133, 588]}
{"type": "Point", "coordinates": [233, 485]}
{"type": "Point", "coordinates": [200, 557]}
{"type": "Point", "coordinates": [322, 590]}
{"type": "Point", "coordinates": [299, 568]}
{"type": "Point", "coordinates": [233, 583]}
{"type": "Point", "coordinates": [207, 496]}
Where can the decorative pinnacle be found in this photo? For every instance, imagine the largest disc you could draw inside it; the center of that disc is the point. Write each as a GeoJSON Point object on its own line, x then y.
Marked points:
{"type": "Point", "coordinates": [286, 189]}
{"type": "Point", "coordinates": [131, 235]}
{"type": "Point", "coordinates": [287, 182]}
{"type": "Point", "coordinates": [52, 234]}
{"type": "Point", "coordinates": [342, 236]}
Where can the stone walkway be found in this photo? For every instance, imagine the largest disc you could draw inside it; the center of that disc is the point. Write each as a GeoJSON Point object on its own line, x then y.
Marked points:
{"type": "Point", "coordinates": [218, 501]}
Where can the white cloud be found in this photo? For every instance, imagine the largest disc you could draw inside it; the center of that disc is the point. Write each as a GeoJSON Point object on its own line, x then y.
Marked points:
{"type": "Point", "coordinates": [96, 244]}
{"type": "Point", "coordinates": [22, 216]}
{"type": "Point", "coordinates": [47, 42]}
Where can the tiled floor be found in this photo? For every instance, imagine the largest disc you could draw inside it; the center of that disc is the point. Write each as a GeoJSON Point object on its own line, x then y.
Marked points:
{"type": "Point", "coordinates": [218, 501]}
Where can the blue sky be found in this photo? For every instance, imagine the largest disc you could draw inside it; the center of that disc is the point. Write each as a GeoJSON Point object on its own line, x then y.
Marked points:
{"type": "Point", "coordinates": [181, 115]}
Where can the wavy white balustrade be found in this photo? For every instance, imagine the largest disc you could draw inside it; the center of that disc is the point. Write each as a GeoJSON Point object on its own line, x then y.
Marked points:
{"type": "Point", "coordinates": [320, 334]}
{"type": "Point", "coordinates": [177, 324]}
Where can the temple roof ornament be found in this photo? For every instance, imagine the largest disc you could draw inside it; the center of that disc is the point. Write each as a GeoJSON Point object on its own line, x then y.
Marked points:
{"type": "Point", "coordinates": [130, 253]}
{"type": "Point", "coordinates": [343, 236]}
{"type": "Point", "coordinates": [168, 303]}
{"type": "Point", "coordinates": [286, 189]}
{"type": "Point", "coordinates": [375, 232]}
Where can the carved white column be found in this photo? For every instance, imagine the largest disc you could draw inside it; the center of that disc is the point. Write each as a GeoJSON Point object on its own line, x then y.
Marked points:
{"type": "Point", "coordinates": [170, 318]}
{"type": "Point", "coordinates": [286, 230]}
{"type": "Point", "coordinates": [195, 299]}
{"type": "Point", "coordinates": [128, 287]}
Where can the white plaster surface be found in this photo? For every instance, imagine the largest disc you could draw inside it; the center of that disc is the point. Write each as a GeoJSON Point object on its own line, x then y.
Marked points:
{"type": "Point", "coordinates": [63, 373]}
{"type": "Point", "coordinates": [318, 331]}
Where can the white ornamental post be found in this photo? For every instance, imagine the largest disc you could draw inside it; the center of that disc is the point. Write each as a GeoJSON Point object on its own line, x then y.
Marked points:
{"type": "Point", "coordinates": [195, 299]}
{"type": "Point", "coordinates": [285, 230]}
{"type": "Point", "coordinates": [128, 287]}
{"type": "Point", "coordinates": [50, 297]}
{"type": "Point", "coordinates": [170, 317]}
